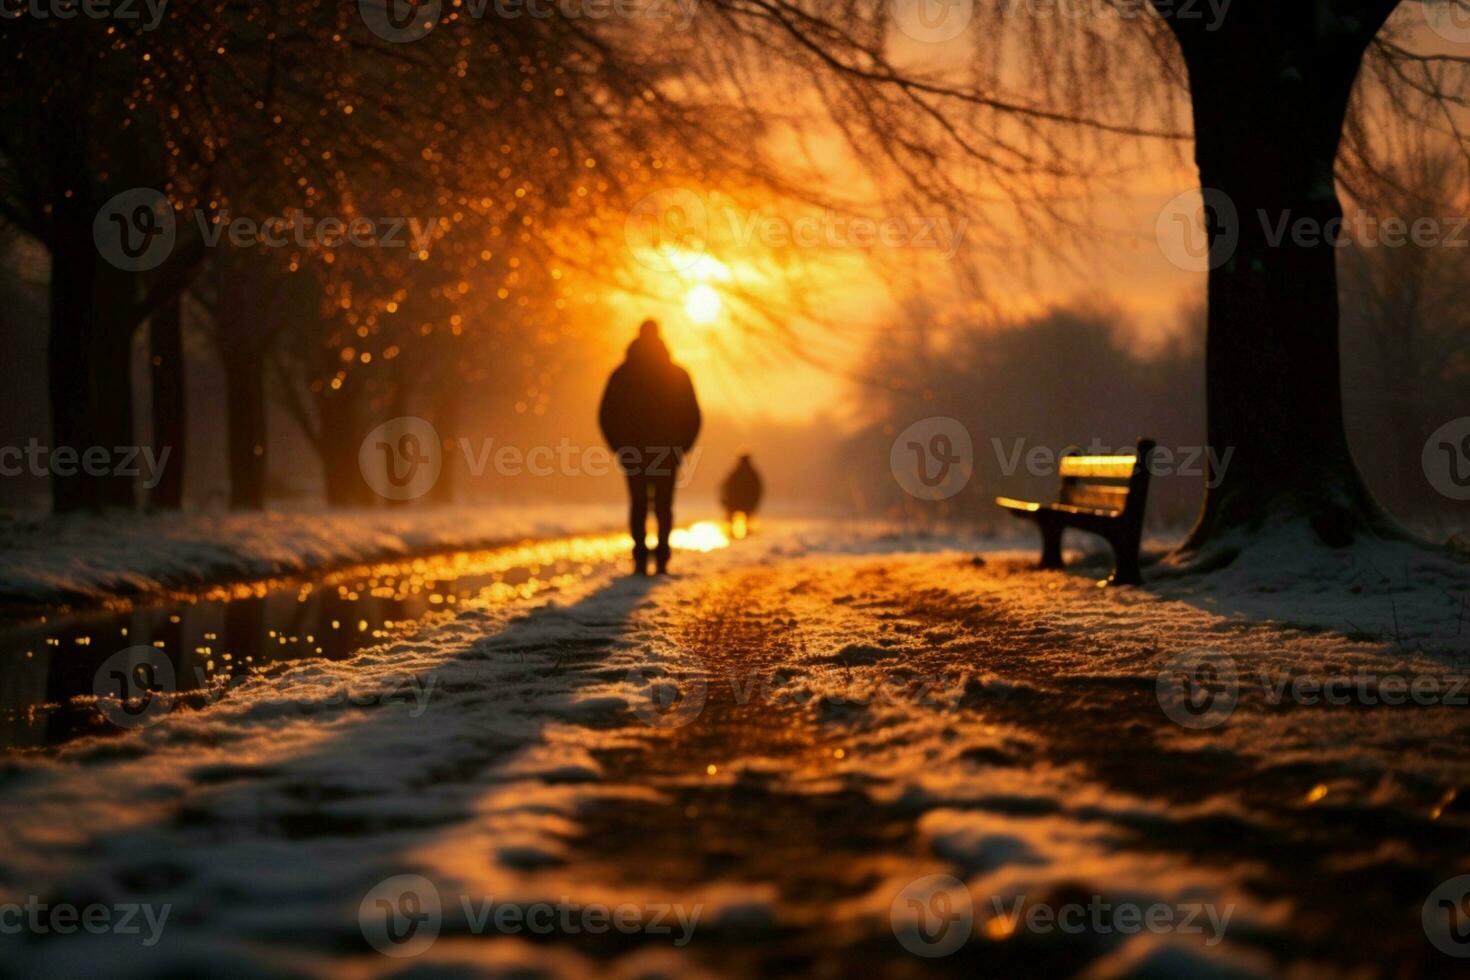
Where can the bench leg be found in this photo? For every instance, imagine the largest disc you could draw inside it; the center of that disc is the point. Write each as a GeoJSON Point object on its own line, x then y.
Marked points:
{"type": "Point", "coordinates": [1125, 568]}
{"type": "Point", "coordinates": [1051, 544]}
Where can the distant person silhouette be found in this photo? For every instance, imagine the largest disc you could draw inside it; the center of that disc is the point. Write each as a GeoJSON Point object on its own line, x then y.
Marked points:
{"type": "Point", "coordinates": [650, 418]}
{"type": "Point", "coordinates": [741, 491]}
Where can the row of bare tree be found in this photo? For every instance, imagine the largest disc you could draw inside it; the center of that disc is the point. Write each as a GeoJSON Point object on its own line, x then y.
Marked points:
{"type": "Point", "coordinates": [529, 137]}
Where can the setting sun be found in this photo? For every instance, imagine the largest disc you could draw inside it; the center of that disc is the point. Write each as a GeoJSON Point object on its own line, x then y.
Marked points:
{"type": "Point", "coordinates": [702, 303]}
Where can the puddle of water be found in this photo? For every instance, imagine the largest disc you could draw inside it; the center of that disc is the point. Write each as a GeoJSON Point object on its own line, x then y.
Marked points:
{"type": "Point", "coordinates": [53, 668]}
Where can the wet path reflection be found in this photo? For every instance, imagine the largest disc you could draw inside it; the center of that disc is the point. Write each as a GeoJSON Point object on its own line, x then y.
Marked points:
{"type": "Point", "coordinates": [52, 667]}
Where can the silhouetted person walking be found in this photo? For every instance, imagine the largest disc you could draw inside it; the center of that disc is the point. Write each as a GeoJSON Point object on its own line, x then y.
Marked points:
{"type": "Point", "coordinates": [741, 491]}
{"type": "Point", "coordinates": [650, 418]}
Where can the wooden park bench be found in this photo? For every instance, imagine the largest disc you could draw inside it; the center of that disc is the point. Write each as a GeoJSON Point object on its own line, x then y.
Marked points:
{"type": "Point", "coordinates": [1103, 495]}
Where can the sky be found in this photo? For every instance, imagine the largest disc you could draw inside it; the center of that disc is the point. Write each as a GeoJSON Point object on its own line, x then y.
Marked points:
{"type": "Point", "coordinates": [1132, 253]}
{"type": "Point", "coordinates": [751, 372]}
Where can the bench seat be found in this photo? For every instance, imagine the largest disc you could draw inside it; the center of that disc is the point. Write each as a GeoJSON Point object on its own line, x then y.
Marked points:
{"type": "Point", "coordinates": [1072, 509]}
{"type": "Point", "coordinates": [1103, 495]}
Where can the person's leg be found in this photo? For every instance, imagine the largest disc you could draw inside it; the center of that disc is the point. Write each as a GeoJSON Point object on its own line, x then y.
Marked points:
{"type": "Point", "coordinates": [663, 509]}
{"type": "Point", "coordinates": [638, 520]}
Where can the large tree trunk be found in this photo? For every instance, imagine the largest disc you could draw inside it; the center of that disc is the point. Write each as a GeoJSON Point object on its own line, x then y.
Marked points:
{"type": "Point", "coordinates": [448, 404]}
{"type": "Point", "coordinates": [1404, 383]}
{"type": "Point", "coordinates": [166, 356]}
{"type": "Point", "coordinates": [245, 412]}
{"type": "Point", "coordinates": [74, 260]}
{"type": "Point", "coordinates": [244, 323]}
{"type": "Point", "coordinates": [1270, 91]}
{"type": "Point", "coordinates": [111, 362]}
{"type": "Point", "coordinates": [341, 436]}
{"type": "Point", "coordinates": [396, 407]}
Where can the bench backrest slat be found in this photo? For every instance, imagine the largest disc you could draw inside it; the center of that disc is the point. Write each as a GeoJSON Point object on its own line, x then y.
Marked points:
{"type": "Point", "coordinates": [1110, 483]}
{"type": "Point", "coordinates": [1098, 467]}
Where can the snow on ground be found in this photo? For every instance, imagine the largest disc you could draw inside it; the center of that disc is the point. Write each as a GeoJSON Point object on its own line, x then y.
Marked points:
{"type": "Point", "coordinates": [74, 558]}
{"type": "Point", "coordinates": [825, 749]}
{"type": "Point", "coordinates": [1416, 596]}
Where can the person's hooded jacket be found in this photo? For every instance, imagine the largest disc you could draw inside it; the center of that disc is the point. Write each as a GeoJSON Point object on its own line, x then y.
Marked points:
{"type": "Point", "coordinates": [649, 412]}
{"type": "Point", "coordinates": [741, 490]}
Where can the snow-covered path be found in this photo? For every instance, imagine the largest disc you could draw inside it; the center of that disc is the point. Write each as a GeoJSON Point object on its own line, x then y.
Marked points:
{"type": "Point", "coordinates": [821, 751]}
